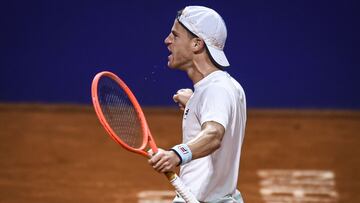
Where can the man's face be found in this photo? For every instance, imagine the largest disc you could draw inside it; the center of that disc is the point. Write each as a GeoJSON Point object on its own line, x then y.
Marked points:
{"type": "Point", "coordinates": [179, 44]}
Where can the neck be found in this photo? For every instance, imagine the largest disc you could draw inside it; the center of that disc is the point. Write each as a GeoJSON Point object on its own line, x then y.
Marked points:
{"type": "Point", "coordinates": [200, 69]}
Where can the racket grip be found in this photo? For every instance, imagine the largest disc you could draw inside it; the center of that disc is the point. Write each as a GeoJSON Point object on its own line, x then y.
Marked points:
{"type": "Point", "coordinates": [181, 188]}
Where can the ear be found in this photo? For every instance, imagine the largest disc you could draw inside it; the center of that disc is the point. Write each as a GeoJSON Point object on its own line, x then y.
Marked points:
{"type": "Point", "coordinates": [198, 44]}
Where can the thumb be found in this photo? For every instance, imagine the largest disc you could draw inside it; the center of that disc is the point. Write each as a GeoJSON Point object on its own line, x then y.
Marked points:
{"type": "Point", "coordinates": [176, 98]}
{"type": "Point", "coordinates": [150, 153]}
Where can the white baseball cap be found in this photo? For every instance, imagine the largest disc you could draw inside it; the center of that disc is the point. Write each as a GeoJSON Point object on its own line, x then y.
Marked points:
{"type": "Point", "coordinates": [208, 25]}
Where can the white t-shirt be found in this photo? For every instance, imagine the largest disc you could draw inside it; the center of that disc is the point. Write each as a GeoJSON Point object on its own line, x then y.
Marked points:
{"type": "Point", "coordinates": [220, 98]}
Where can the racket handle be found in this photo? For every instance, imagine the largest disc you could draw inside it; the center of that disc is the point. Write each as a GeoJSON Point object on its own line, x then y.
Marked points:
{"type": "Point", "coordinates": [181, 188]}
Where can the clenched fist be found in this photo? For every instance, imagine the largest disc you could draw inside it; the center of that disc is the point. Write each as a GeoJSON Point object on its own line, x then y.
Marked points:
{"type": "Point", "coordinates": [182, 96]}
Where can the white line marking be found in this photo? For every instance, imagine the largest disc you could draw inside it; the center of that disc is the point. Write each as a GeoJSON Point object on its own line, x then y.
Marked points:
{"type": "Point", "coordinates": [299, 186]}
{"type": "Point", "coordinates": [156, 196]}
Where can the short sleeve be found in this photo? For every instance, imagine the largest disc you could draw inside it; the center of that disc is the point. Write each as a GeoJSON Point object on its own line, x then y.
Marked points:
{"type": "Point", "coordinates": [215, 105]}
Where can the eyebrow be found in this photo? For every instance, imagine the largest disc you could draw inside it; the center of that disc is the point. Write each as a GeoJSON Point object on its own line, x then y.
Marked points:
{"type": "Point", "coordinates": [174, 32]}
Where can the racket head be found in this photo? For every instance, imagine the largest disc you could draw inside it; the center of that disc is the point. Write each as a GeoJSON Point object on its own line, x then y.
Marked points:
{"type": "Point", "coordinates": [120, 113]}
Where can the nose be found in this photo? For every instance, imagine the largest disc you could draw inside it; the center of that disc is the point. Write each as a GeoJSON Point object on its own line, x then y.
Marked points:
{"type": "Point", "coordinates": [167, 40]}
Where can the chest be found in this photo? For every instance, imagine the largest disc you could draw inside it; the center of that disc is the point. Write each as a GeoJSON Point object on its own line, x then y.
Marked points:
{"type": "Point", "coordinates": [191, 125]}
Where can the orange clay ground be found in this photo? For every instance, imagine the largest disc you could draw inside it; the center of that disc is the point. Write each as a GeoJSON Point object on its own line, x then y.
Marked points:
{"type": "Point", "coordinates": [60, 153]}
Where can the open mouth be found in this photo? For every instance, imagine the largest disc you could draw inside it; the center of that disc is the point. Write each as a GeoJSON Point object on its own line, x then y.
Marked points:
{"type": "Point", "coordinates": [170, 54]}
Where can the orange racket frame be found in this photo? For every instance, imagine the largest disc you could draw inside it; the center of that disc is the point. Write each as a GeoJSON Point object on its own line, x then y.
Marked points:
{"type": "Point", "coordinates": [147, 137]}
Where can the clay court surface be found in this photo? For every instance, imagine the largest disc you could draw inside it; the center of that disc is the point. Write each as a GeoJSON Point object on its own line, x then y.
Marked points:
{"type": "Point", "coordinates": [60, 153]}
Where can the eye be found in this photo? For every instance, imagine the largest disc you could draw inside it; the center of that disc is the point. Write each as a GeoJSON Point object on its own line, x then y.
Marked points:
{"type": "Point", "coordinates": [175, 35]}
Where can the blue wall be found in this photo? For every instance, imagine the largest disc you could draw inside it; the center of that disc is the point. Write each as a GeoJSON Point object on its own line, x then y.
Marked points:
{"type": "Point", "coordinates": [298, 54]}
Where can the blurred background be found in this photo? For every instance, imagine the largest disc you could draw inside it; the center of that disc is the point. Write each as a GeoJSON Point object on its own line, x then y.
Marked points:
{"type": "Point", "coordinates": [298, 62]}
{"type": "Point", "coordinates": [286, 54]}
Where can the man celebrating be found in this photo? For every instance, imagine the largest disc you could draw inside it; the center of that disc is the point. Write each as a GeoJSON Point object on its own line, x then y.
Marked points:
{"type": "Point", "coordinates": [214, 114]}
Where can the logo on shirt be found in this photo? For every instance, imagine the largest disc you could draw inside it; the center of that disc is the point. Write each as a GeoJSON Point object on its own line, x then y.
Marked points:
{"type": "Point", "coordinates": [186, 113]}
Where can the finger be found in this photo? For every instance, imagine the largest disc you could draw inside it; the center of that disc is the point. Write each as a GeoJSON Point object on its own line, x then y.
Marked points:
{"type": "Point", "coordinates": [164, 170]}
{"type": "Point", "coordinates": [188, 90]}
{"type": "Point", "coordinates": [150, 152]}
{"type": "Point", "coordinates": [180, 90]}
{"type": "Point", "coordinates": [176, 98]}
{"type": "Point", "coordinates": [160, 164]}
{"type": "Point", "coordinates": [159, 168]}
{"type": "Point", "coordinates": [167, 167]}
{"type": "Point", "coordinates": [154, 159]}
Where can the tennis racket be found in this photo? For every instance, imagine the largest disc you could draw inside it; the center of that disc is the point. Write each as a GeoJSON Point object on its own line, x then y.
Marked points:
{"type": "Point", "coordinates": [122, 117]}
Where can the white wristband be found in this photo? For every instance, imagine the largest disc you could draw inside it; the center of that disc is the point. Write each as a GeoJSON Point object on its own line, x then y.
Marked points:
{"type": "Point", "coordinates": [184, 153]}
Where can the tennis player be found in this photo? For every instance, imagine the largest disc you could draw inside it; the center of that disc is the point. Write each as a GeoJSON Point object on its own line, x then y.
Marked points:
{"type": "Point", "coordinates": [214, 114]}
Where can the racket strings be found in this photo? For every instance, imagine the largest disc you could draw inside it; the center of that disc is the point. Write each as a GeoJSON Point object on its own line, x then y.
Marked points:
{"type": "Point", "coordinates": [119, 112]}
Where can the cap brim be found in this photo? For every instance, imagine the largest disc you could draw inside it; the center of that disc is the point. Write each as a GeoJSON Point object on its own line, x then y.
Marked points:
{"type": "Point", "coordinates": [218, 56]}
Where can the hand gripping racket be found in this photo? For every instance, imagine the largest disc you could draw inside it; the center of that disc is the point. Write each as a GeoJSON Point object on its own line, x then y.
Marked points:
{"type": "Point", "coordinates": [122, 117]}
